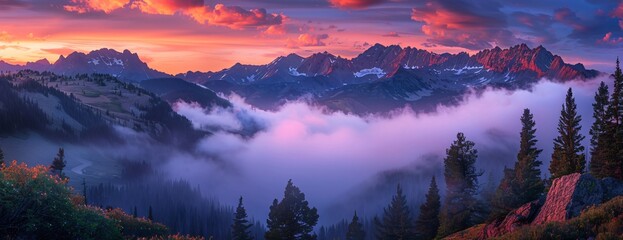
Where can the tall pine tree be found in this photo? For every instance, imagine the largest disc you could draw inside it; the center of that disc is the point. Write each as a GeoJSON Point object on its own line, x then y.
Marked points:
{"type": "Point", "coordinates": [599, 131]}
{"type": "Point", "coordinates": [59, 163]}
{"type": "Point", "coordinates": [568, 156]}
{"type": "Point", "coordinates": [523, 183]}
{"type": "Point", "coordinates": [396, 222]}
{"type": "Point", "coordinates": [355, 229]}
{"type": "Point", "coordinates": [460, 205]}
{"type": "Point", "coordinates": [292, 218]}
{"type": "Point", "coordinates": [1, 157]}
{"type": "Point", "coordinates": [240, 227]}
{"type": "Point", "coordinates": [613, 135]}
{"type": "Point", "coordinates": [427, 223]}
{"type": "Point", "coordinates": [527, 168]}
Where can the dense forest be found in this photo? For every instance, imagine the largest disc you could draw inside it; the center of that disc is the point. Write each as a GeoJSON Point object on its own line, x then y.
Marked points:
{"type": "Point", "coordinates": [36, 201]}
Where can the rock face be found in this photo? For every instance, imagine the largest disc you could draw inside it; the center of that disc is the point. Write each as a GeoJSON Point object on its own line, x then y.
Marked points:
{"type": "Point", "coordinates": [567, 197]}
{"type": "Point", "coordinates": [521, 216]}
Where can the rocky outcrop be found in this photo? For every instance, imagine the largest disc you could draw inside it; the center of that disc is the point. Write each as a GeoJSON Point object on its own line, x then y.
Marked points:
{"type": "Point", "coordinates": [521, 216]}
{"type": "Point", "coordinates": [567, 197]}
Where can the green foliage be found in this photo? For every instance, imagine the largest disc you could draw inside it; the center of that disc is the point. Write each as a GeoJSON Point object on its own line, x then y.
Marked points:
{"type": "Point", "coordinates": [523, 183]}
{"type": "Point", "coordinates": [396, 222]}
{"type": "Point", "coordinates": [37, 205]}
{"type": "Point", "coordinates": [240, 227]}
{"type": "Point", "coordinates": [1, 157]}
{"type": "Point", "coordinates": [292, 218]}
{"type": "Point", "coordinates": [136, 227]}
{"type": "Point", "coordinates": [602, 222]}
{"type": "Point", "coordinates": [427, 224]}
{"type": "Point", "coordinates": [568, 156]}
{"type": "Point", "coordinates": [355, 229]}
{"type": "Point", "coordinates": [459, 210]}
{"type": "Point", "coordinates": [598, 131]}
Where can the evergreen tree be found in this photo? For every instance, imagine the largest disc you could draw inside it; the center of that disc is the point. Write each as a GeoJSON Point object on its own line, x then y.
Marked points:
{"type": "Point", "coordinates": [292, 218]}
{"type": "Point", "coordinates": [613, 135]}
{"type": "Point", "coordinates": [1, 157]}
{"type": "Point", "coordinates": [427, 224]}
{"type": "Point", "coordinates": [459, 208]}
{"type": "Point", "coordinates": [568, 156]}
{"type": "Point", "coordinates": [135, 213]}
{"type": "Point", "coordinates": [240, 227]}
{"type": "Point", "coordinates": [504, 199]}
{"type": "Point", "coordinates": [84, 191]}
{"type": "Point", "coordinates": [396, 222]}
{"type": "Point", "coordinates": [598, 131]}
{"type": "Point", "coordinates": [150, 215]}
{"type": "Point", "coordinates": [59, 163]}
{"type": "Point", "coordinates": [527, 168]}
{"type": "Point", "coordinates": [355, 230]}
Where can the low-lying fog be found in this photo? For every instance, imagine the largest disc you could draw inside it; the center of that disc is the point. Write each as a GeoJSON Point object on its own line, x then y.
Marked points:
{"type": "Point", "coordinates": [345, 162]}
{"type": "Point", "coordinates": [335, 157]}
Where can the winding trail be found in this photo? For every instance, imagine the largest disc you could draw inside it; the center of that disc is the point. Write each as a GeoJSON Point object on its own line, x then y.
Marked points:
{"type": "Point", "coordinates": [80, 168]}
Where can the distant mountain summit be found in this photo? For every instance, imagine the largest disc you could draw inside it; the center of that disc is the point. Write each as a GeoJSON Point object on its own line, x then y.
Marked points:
{"type": "Point", "coordinates": [383, 78]}
{"type": "Point", "coordinates": [380, 79]}
{"type": "Point", "coordinates": [124, 65]}
{"type": "Point", "coordinates": [518, 64]}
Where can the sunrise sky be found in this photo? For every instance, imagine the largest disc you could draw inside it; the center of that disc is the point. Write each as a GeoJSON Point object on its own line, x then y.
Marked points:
{"type": "Point", "coordinates": [179, 35]}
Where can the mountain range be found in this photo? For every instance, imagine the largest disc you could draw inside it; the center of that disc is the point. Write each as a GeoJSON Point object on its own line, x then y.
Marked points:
{"type": "Point", "coordinates": [379, 80]}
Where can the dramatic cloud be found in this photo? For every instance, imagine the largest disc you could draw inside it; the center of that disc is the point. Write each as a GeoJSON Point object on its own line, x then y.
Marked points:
{"type": "Point", "coordinates": [220, 15]}
{"type": "Point", "coordinates": [107, 6]}
{"type": "Point", "coordinates": [469, 24]}
{"type": "Point", "coordinates": [234, 17]}
{"type": "Point", "coordinates": [354, 4]}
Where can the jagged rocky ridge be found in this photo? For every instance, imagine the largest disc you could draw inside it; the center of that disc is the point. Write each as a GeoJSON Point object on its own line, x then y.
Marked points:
{"type": "Point", "coordinates": [385, 78]}
{"type": "Point", "coordinates": [379, 80]}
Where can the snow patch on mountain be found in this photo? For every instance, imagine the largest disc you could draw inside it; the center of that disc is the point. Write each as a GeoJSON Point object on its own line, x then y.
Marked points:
{"type": "Point", "coordinates": [370, 71]}
{"type": "Point", "coordinates": [414, 96]}
{"type": "Point", "coordinates": [118, 61]}
{"type": "Point", "coordinates": [94, 61]}
{"type": "Point", "coordinates": [296, 73]}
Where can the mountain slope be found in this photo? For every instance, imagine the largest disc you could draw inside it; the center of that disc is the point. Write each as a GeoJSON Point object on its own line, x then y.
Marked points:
{"type": "Point", "coordinates": [385, 78]}
{"type": "Point", "coordinates": [125, 65]}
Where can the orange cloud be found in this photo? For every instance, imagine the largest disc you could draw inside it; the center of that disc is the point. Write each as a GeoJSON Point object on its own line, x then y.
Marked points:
{"type": "Point", "coordinates": [356, 4]}
{"type": "Point", "coordinates": [107, 6]}
{"type": "Point", "coordinates": [165, 7]}
{"type": "Point", "coordinates": [276, 30]}
{"type": "Point", "coordinates": [234, 17]}
{"type": "Point", "coordinates": [308, 40]}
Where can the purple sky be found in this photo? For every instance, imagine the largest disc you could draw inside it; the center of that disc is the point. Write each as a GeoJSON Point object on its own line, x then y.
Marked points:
{"type": "Point", "coordinates": [175, 36]}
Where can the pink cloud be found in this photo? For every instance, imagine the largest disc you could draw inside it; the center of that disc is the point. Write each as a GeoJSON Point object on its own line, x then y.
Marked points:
{"type": "Point", "coordinates": [107, 6]}
{"type": "Point", "coordinates": [608, 39]}
{"type": "Point", "coordinates": [354, 4]}
{"type": "Point", "coordinates": [618, 12]}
